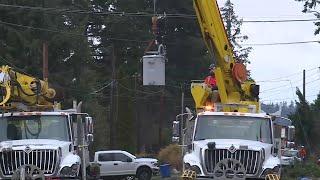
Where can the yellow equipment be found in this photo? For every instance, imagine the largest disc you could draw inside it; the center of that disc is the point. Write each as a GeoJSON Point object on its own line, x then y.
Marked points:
{"type": "Point", "coordinates": [189, 175]}
{"type": "Point", "coordinates": [236, 93]}
{"type": "Point", "coordinates": [19, 90]}
{"type": "Point", "coordinates": [272, 177]}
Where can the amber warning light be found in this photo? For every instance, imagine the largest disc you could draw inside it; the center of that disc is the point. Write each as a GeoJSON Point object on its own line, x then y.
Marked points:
{"type": "Point", "coordinates": [209, 108]}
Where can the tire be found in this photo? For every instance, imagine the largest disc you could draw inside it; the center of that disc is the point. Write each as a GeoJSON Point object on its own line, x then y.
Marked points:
{"type": "Point", "coordinates": [129, 178]}
{"type": "Point", "coordinates": [144, 173]}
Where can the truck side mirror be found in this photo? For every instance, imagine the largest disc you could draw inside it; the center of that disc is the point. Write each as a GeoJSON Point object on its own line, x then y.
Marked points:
{"type": "Point", "coordinates": [291, 133]}
{"type": "Point", "coordinates": [175, 139]}
{"type": "Point", "coordinates": [175, 131]}
{"type": "Point", "coordinates": [90, 138]}
{"type": "Point", "coordinates": [89, 125]}
{"type": "Point", "coordinates": [175, 128]}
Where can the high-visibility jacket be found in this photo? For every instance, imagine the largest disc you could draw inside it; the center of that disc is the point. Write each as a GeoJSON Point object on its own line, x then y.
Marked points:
{"type": "Point", "coordinates": [210, 80]}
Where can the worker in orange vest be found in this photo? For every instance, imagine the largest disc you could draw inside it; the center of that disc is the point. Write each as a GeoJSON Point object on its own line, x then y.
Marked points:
{"type": "Point", "coordinates": [303, 153]}
{"type": "Point", "coordinates": [211, 78]}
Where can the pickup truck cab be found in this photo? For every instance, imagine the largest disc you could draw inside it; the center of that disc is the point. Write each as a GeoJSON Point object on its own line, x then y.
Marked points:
{"type": "Point", "coordinates": [118, 164]}
{"type": "Point", "coordinates": [289, 157]}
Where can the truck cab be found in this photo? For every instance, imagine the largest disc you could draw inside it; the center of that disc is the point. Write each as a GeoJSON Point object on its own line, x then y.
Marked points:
{"type": "Point", "coordinates": [225, 143]}
{"type": "Point", "coordinates": [44, 144]}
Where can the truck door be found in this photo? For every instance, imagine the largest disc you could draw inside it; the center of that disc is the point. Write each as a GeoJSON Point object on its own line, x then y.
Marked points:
{"type": "Point", "coordinates": [106, 160]}
{"type": "Point", "coordinates": [124, 164]}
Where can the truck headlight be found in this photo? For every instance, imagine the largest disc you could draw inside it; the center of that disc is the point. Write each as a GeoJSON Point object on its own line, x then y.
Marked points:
{"type": "Point", "coordinates": [70, 171]}
{"type": "Point", "coordinates": [156, 164]}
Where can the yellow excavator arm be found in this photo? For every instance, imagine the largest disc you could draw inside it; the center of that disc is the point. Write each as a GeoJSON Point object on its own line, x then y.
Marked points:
{"type": "Point", "coordinates": [21, 88]}
{"type": "Point", "coordinates": [233, 87]}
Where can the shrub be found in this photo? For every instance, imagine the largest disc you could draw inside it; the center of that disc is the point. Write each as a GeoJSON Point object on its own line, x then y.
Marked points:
{"type": "Point", "coordinates": [145, 155]}
{"type": "Point", "coordinates": [309, 169]}
{"type": "Point", "coordinates": [171, 155]}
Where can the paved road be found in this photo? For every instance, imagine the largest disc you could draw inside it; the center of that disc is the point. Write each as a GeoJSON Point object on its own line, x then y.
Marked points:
{"type": "Point", "coordinates": [170, 178]}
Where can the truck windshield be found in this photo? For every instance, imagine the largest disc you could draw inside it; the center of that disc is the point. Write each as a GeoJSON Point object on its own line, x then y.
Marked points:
{"type": "Point", "coordinates": [34, 127]}
{"type": "Point", "coordinates": [290, 153]}
{"type": "Point", "coordinates": [233, 127]}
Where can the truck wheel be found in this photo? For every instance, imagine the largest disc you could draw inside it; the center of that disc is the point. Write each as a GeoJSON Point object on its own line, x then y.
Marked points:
{"type": "Point", "coordinates": [129, 178]}
{"type": "Point", "coordinates": [144, 173]}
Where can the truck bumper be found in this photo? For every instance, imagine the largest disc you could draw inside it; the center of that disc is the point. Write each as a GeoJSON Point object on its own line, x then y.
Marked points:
{"type": "Point", "coordinates": [211, 177]}
{"type": "Point", "coordinates": [155, 171]}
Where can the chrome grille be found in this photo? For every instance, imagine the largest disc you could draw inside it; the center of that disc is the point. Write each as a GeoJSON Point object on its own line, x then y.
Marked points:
{"type": "Point", "coordinates": [45, 159]}
{"type": "Point", "coordinates": [250, 159]}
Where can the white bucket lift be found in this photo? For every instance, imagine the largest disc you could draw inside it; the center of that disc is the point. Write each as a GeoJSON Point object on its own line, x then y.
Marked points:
{"type": "Point", "coordinates": [154, 67]}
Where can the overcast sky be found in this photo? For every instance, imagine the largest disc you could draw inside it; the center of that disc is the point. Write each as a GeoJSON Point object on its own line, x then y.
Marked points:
{"type": "Point", "coordinates": [278, 69]}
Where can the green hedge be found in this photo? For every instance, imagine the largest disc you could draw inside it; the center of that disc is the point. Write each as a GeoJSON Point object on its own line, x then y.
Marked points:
{"type": "Point", "coordinates": [307, 169]}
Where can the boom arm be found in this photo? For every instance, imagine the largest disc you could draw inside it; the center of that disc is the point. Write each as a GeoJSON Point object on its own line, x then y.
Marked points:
{"type": "Point", "coordinates": [233, 86]}
{"type": "Point", "coordinates": [25, 89]}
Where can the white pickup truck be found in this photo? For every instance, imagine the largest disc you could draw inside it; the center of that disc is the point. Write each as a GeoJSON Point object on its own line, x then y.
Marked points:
{"type": "Point", "coordinates": [118, 164]}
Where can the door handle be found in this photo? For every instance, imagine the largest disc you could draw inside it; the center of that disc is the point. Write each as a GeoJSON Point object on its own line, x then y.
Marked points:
{"type": "Point", "coordinates": [115, 164]}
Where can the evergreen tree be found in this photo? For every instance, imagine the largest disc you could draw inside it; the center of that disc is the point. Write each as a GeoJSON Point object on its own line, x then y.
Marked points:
{"type": "Point", "coordinates": [187, 59]}
{"type": "Point", "coordinates": [312, 6]}
{"type": "Point", "coordinates": [24, 30]}
{"type": "Point", "coordinates": [233, 28]}
{"type": "Point", "coordinates": [304, 121]}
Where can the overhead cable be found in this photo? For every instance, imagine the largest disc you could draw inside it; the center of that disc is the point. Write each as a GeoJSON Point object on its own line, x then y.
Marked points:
{"type": "Point", "coordinates": [284, 99]}
{"type": "Point", "coordinates": [141, 41]}
{"type": "Point", "coordinates": [279, 87]}
{"type": "Point", "coordinates": [68, 33]}
{"type": "Point", "coordinates": [139, 14]}
{"type": "Point", "coordinates": [290, 75]}
{"type": "Point", "coordinates": [281, 43]}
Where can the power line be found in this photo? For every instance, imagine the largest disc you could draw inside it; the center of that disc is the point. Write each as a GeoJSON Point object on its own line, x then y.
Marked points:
{"type": "Point", "coordinates": [6, 61]}
{"type": "Point", "coordinates": [131, 40]}
{"type": "Point", "coordinates": [282, 91]}
{"type": "Point", "coordinates": [293, 74]}
{"type": "Point", "coordinates": [102, 88]}
{"type": "Point", "coordinates": [280, 21]}
{"type": "Point", "coordinates": [68, 33]}
{"type": "Point", "coordinates": [78, 11]}
{"type": "Point", "coordinates": [283, 99]}
{"type": "Point", "coordinates": [281, 43]}
{"type": "Point", "coordinates": [145, 92]}
{"type": "Point", "coordinates": [139, 14]}
{"type": "Point", "coordinates": [40, 29]}
{"type": "Point", "coordinates": [279, 87]}
{"type": "Point", "coordinates": [283, 87]}
{"type": "Point", "coordinates": [144, 41]}
{"type": "Point", "coordinates": [287, 85]}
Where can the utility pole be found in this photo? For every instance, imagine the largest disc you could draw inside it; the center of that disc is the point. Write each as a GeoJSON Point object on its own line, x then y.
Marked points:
{"type": "Point", "coordinates": [182, 111]}
{"type": "Point", "coordinates": [304, 98]}
{"type": "Point", "coordinates": [45, 70]}
{"type": "Point", "coordinates": [304, 84]}
{"type": "Point", "coordinates": [111, 112]}
{"type": "Point", "coordinates": [161, 116]}
{"type": "Point", "coordinates": [138, 126]}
